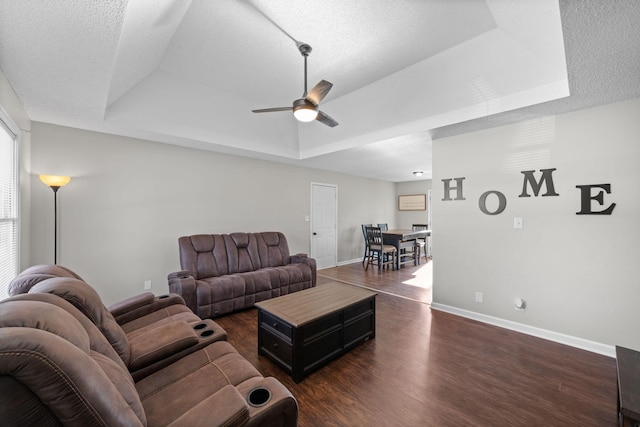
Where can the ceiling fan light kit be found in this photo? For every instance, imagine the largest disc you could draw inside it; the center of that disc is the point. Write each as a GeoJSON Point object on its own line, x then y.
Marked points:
{"type": "Point", "coordinates": [305, 109]}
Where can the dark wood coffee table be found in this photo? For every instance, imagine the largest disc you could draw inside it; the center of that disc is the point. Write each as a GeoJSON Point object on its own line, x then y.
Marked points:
{"type": "Point", "coordinates": [305, 330]}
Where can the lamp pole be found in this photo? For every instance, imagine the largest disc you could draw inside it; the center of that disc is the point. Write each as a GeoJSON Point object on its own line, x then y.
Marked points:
{"type": "Point", "coordinates": [55, 189]}
{"type": "Point", "coordinates": [55, 182]}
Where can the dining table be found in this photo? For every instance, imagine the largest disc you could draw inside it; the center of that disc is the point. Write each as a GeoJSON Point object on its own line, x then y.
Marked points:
{"type": "Point", "coordinates": [396, 237]}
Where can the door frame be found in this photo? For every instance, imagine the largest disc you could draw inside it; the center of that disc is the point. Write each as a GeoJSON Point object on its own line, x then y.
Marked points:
{"type": "Point", "coordinates": [311, 246]}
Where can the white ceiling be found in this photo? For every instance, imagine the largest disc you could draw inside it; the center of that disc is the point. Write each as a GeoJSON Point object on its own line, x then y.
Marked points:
{"type": "Point", "coordinates": [189, 72]}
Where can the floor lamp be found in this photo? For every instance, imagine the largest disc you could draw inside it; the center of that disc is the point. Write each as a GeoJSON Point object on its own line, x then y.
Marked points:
{"type": "Point", "coordinates": [55, 182]}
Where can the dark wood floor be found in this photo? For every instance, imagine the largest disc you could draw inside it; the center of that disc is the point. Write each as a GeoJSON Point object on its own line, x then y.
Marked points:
{"type": "Point", "coordinates": [429, 368]}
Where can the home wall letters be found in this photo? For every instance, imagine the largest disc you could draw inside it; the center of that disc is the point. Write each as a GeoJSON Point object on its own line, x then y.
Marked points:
{"type": "Point", "coordinates": [587, 195]}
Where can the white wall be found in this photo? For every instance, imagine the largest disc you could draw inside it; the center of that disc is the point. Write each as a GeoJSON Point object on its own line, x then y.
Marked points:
{"type": "Point", "coordinates": [579, 274]}
{"type": "Point", "coordinates": [129, 200]}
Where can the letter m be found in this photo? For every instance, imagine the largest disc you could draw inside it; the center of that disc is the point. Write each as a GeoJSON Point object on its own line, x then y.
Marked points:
{"type": "Point", "coordinates": [546, 179]}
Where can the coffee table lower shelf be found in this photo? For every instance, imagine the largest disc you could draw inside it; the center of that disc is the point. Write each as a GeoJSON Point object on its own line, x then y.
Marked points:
{"type": "Point", "coordinates": [302, 348]}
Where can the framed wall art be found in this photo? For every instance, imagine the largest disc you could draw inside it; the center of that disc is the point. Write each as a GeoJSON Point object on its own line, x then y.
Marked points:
{"type": "Point", "coordinates": [412, 202]}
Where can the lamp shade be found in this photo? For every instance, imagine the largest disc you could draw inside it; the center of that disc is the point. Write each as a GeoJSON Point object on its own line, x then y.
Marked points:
{"type": "Point", "coordinates": [55, 180]}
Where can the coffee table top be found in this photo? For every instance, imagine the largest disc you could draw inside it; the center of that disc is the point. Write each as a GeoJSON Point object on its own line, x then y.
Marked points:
{"type": "Point", "coordinates": [310, 304]}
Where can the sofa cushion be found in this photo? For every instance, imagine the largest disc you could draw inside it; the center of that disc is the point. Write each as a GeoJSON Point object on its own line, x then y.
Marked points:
{"type": "Point", "coordinates": [204, 255]}
{"type": "Point", "coordinates": [43, 347]}
{"type": "Point", "coordinates": [242, 253]}
{"type": "Point", "coordinates": [198, 375]}
{"type": "Point", "coordinates": [169, 314]}
{"type": "Point", "coordinates": [35, 274]}
{"type": "Point", "coordinates": [98, 343]}
{"type": "Point", "coordinates": [46, 317]}
{"type": "Point", "coordinates": [230, 406]}
{"type": "Point", "coordinates": [273, 249]}
{"type": "Point", "coordinates": [160, 343]}
{"type": "Point", "coordinates": [216, 295]}
{"type": "Point", "coordinates": [87, 300]}
{"type": "Point", "coordinates": [214, 255]}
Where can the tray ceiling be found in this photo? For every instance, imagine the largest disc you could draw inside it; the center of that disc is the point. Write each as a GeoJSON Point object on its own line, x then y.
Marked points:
{"type": "Point", "coordinates": [189, 72]}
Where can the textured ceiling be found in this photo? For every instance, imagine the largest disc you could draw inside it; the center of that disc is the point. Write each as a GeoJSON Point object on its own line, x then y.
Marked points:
{"type": "Point", "coordinates": [189, 72]}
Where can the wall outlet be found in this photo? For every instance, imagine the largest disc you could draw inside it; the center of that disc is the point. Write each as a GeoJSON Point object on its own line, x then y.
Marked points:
{"type": "Point", "coordinates": [147, 285]}
{"type": "Point", "coordinates": [479, 297]}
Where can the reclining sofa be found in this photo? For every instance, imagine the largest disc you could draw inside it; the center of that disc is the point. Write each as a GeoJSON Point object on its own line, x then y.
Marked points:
{"type": "Point", "coordinates": [222, 273]}
{"type": "Point", "coordinates": [147, 332]}
{"type": "Point", "coordinates": [65, 362]}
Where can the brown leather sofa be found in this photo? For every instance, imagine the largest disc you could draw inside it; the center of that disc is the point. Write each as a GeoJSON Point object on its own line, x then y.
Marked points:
{"type": "Point", "coordinates": [58, 369]}
{"type": "Point", "coordinates": [133, 313]}
{"type": "Point", "coordinates": [146, 342]}
{"type": "Point", "coordinates": [222, 273]}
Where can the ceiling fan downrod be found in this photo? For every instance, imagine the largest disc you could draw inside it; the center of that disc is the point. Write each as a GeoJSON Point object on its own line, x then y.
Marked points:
{"type": "Point", "coordinates": [305, 50]}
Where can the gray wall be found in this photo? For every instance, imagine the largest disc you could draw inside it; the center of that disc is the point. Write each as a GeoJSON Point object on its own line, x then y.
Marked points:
{"type": "Point", "coordinates": [405, 219]}
{"type": "Point", "coordinates": [129, 200]}
{"type": "Point", "coordinates": [577, 273]}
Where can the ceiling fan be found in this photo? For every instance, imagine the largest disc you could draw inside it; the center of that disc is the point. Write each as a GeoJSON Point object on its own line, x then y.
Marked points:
{"type": "Point", "coordinates": [306, 109]}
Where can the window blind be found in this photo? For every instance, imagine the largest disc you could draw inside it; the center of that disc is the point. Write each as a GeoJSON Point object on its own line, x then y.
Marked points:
{"type": "Point", "coordinates": [8, 206]}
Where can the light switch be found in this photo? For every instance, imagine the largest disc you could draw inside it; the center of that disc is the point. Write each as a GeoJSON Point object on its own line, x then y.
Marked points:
{"type": "Point", "coordinates": [517, 223]}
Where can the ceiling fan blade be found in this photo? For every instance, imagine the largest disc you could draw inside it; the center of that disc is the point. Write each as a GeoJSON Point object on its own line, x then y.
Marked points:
{"type": "Point", "coordinates": [319, 91]}
{"type": "Point", "coordinates": [325, 119]}
{"type": "Point", "coordinates": [270, 110]}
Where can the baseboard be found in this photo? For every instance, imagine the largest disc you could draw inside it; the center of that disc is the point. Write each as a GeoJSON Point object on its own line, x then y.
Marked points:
{"type": "Point", "coordinates": [351, 261]}
{"type": "Point", "coordinates": [341, 263]}
{"type": "Point", "coordinates": [595, 347]}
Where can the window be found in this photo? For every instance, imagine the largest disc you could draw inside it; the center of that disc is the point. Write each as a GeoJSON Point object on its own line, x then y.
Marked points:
{"type": "Point", "coordinates": [8, 205]}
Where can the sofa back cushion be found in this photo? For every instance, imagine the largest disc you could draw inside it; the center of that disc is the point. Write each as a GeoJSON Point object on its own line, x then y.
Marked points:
{"type": "Point", "coordinates": [273, 249]}
{"type": "Point", "coordinates": [97, 341]}
{"type": "Point", "coordinates": [214, 255]}
{"type": "Point", "coordinates": [50, 375]}
{"type": "Point", "coordinates": [35, 274]}
{"type": "Point", "coordinates": [86, 300]}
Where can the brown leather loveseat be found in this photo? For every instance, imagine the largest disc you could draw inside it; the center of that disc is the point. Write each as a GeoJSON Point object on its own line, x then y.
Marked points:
{"type": "Point", "coordinates": [222, 273]}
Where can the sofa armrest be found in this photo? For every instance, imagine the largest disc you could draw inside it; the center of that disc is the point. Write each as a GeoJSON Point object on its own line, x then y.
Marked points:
{"type": "Point", "coordinates": [304, 259]}
{"type": "Point", "coordinates": [140, 305]}
{"type": "Point", "coordinates": [282, 406]}
{"type": "Point", "coordinates": [131, 303]}
{"type": "Point", "coordinates": [184, 284]}
{"type": "Point", "coordinates": [160, 343]}
{"type": "Point", "coordinates": [298, 257]}
{"type": "Point", "coordinates": [226, 407]}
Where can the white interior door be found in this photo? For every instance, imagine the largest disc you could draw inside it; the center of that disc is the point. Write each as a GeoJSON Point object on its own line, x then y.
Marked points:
{"type": "Point", "coordinates": [324, 212]}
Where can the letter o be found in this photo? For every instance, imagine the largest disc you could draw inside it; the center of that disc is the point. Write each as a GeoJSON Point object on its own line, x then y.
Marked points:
{"type": "Point", "coordinates": [502, 202]}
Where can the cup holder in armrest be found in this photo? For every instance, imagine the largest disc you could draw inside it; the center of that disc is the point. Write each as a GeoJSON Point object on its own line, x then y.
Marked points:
{"type": "Point", "coordinates": [208, 331]}
{"type": "Point", "coordinates": [259, 397]}
{"type": "Point", "coordinates": [163, 296]}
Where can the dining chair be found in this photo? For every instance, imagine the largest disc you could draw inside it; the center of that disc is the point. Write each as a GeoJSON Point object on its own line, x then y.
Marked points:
{"type": "Point", "coordinates": [385, 254]}
{"type": "Point", "coordinates": [366, 242]}
{"type": "Point", "coordinates": [384, 227]}
{"type": "Point", "coordinates": [421, 244]}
